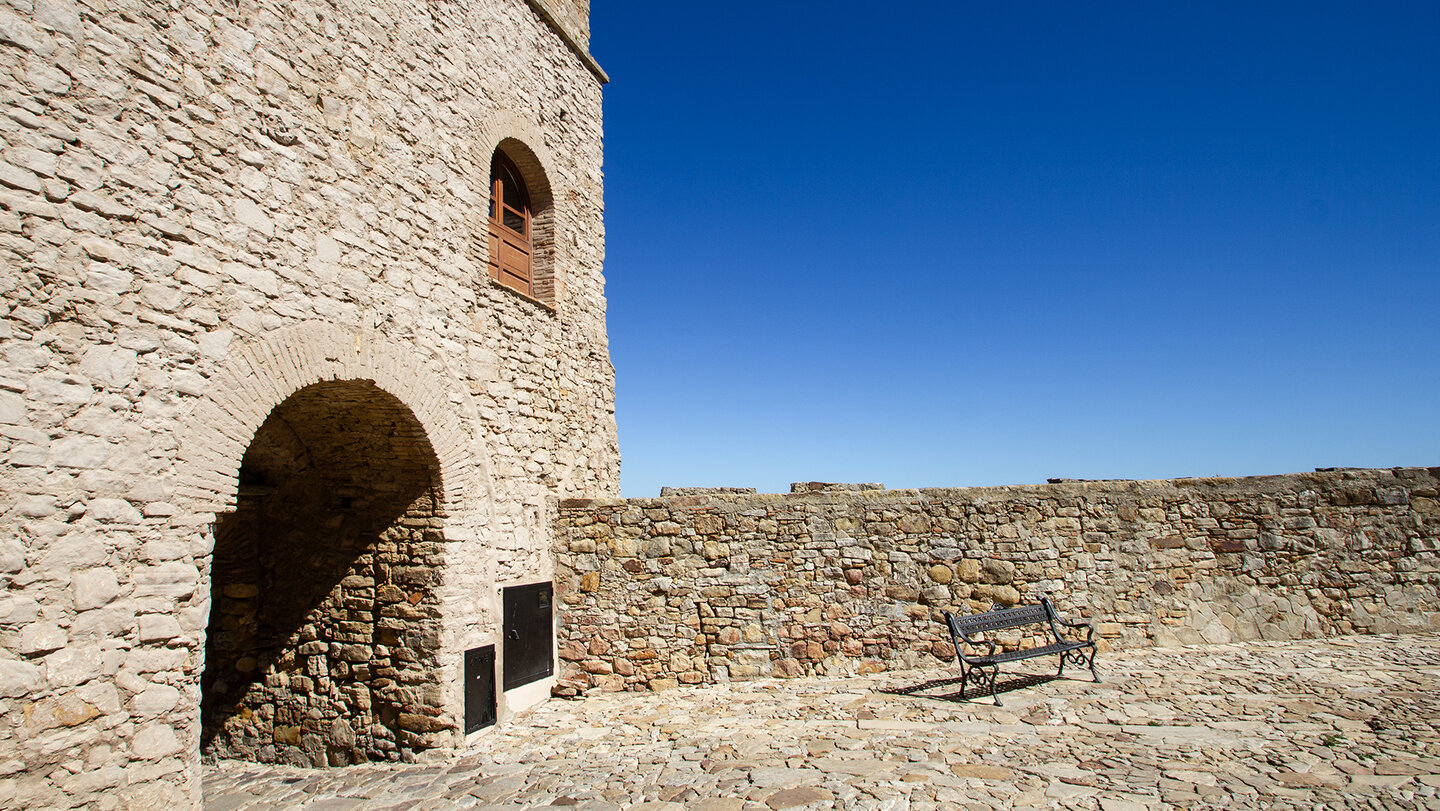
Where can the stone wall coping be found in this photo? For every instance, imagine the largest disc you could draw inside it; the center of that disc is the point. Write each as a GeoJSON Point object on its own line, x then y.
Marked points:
{"type": "Point", "coordinates": [570, 41]}
{"type": "Point", "coordinates": [1074, 489]}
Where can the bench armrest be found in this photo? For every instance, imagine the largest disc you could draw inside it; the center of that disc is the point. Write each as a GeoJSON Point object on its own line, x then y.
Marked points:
{"type": "Point", "coordinates": [975, 643]}
{"type": "Point", "coordinates": [960, 639]}
{"type": "Point", "coordinates": [1088, 626]}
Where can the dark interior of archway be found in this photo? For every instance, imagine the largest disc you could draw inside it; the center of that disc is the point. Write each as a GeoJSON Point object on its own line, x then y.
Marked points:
{"type": "Point", "coordinates": [323, 623]}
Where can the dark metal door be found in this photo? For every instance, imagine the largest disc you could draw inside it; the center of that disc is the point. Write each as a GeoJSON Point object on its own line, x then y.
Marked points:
{"type": "Point", "coordinates": [529, 633]}
{"type": "Point", "coordinates": [479, 688]}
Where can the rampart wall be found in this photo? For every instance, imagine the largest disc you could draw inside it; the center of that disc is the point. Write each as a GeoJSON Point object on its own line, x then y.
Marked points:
{"type": "Point", "coordinates": [704, 587]}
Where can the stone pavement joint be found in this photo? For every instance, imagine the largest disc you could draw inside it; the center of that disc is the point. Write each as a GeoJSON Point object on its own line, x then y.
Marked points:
{"type": "Point", "coordinates": [1346, 722]}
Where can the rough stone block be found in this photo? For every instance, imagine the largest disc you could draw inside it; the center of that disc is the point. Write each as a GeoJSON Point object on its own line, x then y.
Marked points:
{"type": "Point", "coordinates": [56, 388]}
{"type": "Point", "coordinates": [158, 627]}
{"type": "Point", "coordinates": [18, 178]}
{"type": "Point", "coordinates": [113, 511]}
{"type": "Point", "coordinates": [252, 216]}
{"type": "Point", "coordinates": [41, 637]}
{"type": "Point", "coordinates": [94, 588]}
{"type": "Point", "coordinates": [67, 710]}
{"type": "Point", "coordinates": [81, 452]}
{"type": "Point", "coordinates": [997, 571]}
{"type": "Point", "coordinates": [155, 740]}
{"type": "Point", "coordinates": [19, 679]}
{"type": "Point", "coordinates": [968, 570]}
{"type": "Point", "coordinates": [155, 700]}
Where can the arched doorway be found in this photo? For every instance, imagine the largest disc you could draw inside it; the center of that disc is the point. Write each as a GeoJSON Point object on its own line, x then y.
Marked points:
{"type": "Point", "coordinates": [324, 622]}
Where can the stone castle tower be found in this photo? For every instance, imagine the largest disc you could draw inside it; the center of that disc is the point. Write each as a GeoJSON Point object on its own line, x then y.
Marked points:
{"type": "Point", "coordinates": [302, 341]}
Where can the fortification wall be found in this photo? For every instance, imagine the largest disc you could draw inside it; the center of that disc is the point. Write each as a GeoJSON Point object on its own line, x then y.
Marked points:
{"type": "Point", "coordinates": [703, 588]}
{"type": "Point", "coordinates": [206, 208]}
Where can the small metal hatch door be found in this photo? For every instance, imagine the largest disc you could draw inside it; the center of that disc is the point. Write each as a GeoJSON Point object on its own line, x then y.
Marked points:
{"type": "Point", "coordinates": [479, 688]}
{"type": "Point", "coordinates": [529, 634]}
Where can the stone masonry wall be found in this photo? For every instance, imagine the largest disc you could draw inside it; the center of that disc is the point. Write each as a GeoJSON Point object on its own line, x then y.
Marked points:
{"type": "Point", "coordinates": [708, 587]}
{"type": "Point", "coordinates": [205, 208]}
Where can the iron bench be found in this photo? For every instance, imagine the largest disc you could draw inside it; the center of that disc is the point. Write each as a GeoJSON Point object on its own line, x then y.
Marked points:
{"type": "Point", "coordinates": [983, 670]}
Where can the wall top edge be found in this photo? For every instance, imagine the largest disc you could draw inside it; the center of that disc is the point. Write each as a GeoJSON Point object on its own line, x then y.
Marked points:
{"type": "Point", "coordinates": [571, 41]}
{"type": "Point", "coordinates": [1413, 476]}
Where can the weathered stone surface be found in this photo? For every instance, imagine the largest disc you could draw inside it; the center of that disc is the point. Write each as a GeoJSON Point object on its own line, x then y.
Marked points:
{"type": "Point", "coordinates": [59, 711]}
{"type": "Point", "coordinates": [792, 797]}
{"type": "Point", "coordinates": [18, 679]}
{"type": "Point", "coordinates": [155, 740]}
{"type": "Point", "coordinates": [18, 178]}
{"type": "Point", "coordinates": [157, 699]}
{"type": "Point", "coordinates": [113, 511]}
{"type": "Point", "coordinates": [41, 637]}
{"type": "Point", "coordinates": [83, 452]}
{"type": "Point", "coordinates": [158, 627]}
{"type": "Point", "coordinates": [110, 365]}
{"type": "Point", "coordinates": [73, 664]}
{"type": "Point", "coordinates": [982, 771]}
{"type": "Point", "coordinates": [95, 588]}
{"type": "Point", "coordinates": [59, 389]}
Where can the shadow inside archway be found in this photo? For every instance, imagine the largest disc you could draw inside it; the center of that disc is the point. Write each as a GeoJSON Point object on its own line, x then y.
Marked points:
{"type": "Point", "coordinates": [324, 624]}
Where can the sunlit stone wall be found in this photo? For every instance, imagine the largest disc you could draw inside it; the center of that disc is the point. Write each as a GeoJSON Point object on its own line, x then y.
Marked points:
{"type": "Point", "coordinates": [707, 587]}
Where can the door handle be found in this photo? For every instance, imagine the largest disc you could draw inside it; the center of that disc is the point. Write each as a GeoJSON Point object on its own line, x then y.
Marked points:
{"type": "Point", "coordinates": [513, 634]}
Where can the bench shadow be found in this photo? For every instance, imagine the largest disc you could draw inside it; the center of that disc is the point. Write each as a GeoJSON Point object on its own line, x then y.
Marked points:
{"type": "Point", "coordinates": [1005, 685]}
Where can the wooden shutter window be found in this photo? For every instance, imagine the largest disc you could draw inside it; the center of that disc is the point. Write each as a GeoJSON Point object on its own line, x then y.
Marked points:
{"type": "Point", "coordinates": [510, 239]}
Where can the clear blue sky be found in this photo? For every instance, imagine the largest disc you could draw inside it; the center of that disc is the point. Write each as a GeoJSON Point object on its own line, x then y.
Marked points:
{"type": "Point", "coordinates": [965, 243]}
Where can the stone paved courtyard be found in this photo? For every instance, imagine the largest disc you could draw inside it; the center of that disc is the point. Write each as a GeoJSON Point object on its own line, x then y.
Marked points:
{"type": "Point", "coordinates": [1349, 722]}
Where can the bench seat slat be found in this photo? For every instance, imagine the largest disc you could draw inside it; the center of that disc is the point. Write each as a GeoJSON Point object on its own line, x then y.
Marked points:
{"type": "Point", "coordinates": [1026, 653]}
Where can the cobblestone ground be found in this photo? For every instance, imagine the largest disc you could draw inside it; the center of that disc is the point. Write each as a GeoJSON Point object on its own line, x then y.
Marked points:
{"type": "Point", "coordinates": [1350, 722]}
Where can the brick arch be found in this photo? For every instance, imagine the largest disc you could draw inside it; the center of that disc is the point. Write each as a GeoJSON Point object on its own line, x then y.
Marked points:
{"type": "Point", "coordinates": [524, 143]}
{"type": "Point", "coordinates": [261, 374]}
{"type": "Point", "coordinates": [504, 127]}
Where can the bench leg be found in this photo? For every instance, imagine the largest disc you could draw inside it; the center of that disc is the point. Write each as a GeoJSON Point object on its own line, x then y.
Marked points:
{"type": "Point", "coordinates": [1082, 657]}
{"type": "Point", "coordinates": [986, 676]}
{"type": "Point", "coordinates": [981, 677]}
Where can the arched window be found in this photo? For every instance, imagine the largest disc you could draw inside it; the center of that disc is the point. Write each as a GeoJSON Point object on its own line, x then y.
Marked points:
{"type": "Point", "coordinates": [511, 238]}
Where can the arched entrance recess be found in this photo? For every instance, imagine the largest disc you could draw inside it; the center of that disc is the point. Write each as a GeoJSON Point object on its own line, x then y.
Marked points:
{"type": "Point", "coordinates": [259, 374]}
{"type": "Point", "coordinates": [324, 635]}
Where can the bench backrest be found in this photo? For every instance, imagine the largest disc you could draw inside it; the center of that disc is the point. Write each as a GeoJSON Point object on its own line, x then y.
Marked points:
{"type": "Point", "coordinates": [1001, 618]}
